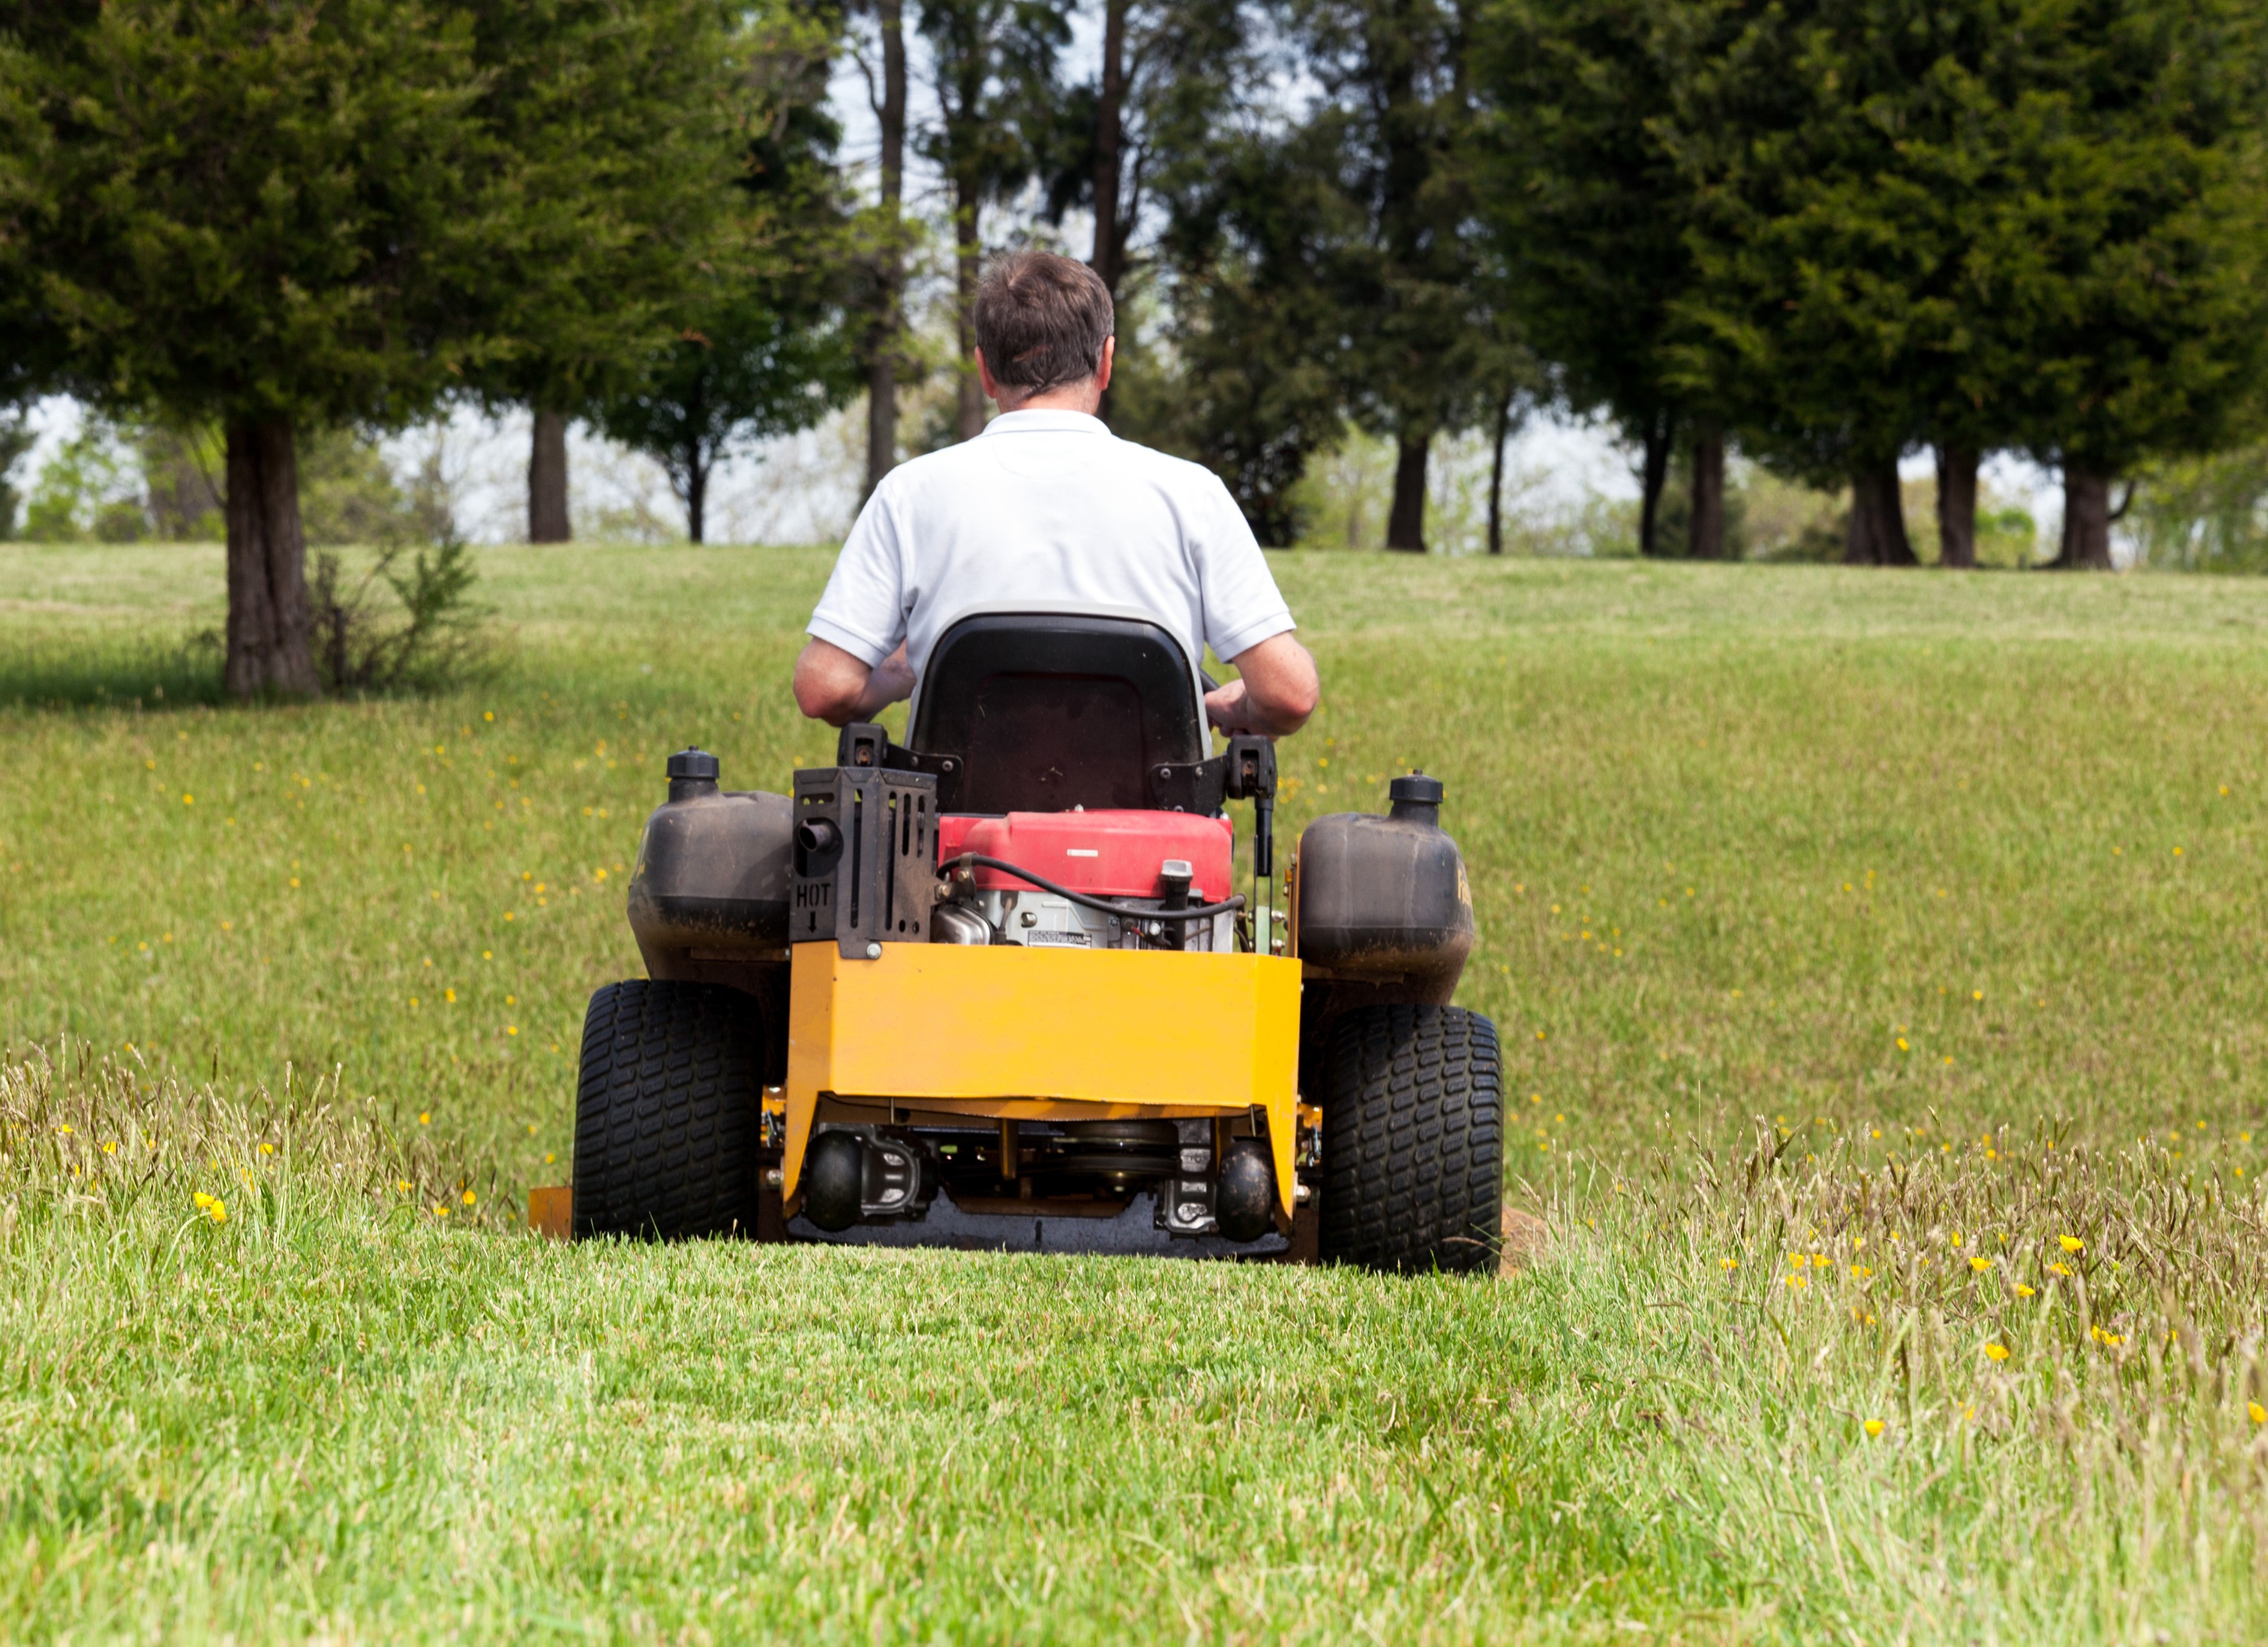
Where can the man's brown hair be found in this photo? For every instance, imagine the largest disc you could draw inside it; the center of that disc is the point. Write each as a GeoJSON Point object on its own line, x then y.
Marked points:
{"type": "Point", "coordinates": [1041, 320]}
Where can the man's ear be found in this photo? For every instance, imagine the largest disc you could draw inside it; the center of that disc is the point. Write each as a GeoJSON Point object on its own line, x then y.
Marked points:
{"type": "Point", "coordinates": [984, 376]}
{"type": "Point", "coordinates": [1103, 370]}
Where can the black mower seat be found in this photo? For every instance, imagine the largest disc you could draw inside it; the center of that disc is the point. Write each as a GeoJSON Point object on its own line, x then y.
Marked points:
{"type": "Point", "coordinates": [1045, 711]}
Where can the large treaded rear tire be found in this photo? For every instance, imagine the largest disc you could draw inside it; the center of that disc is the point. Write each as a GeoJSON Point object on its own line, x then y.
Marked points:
{"type": "Point", "coordinates": [1413, 1140]}
{"type": "Point", "coordinates": [669, 1111]}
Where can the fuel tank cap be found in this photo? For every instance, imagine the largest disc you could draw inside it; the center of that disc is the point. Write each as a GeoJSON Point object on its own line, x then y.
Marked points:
{"type": "Point", "coordinates": [692, 772]}
{"type": "Point", "coordinates": [1416, 797]}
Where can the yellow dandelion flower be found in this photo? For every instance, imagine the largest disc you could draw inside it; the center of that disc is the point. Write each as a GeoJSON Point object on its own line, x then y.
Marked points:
{"type": "Point", "coordinates": [2060, 1270]}
{"type": "Point", "coordinates": [401, 1186]}
{"type": "Point", "coordinates": [1873, 1426]}
{"type": "Point", "coordinates": [111, 1147]}
{"type": "Point", "coordinates": [424, 1117]}
{"type": "Point", "coordinates": [2259, 1414]}
{"type": "Point", "coordinates": [64, 1129]}
{"type": "Point", "coordinates": [1998, 1352]}
{"type": "Point", "coordinates": [440, 1211]}
{"type": "Point", "coordinates": [2071, 1243]}
{"type": "Point", "coordinates": [2023, 1291]}
{"type": "Point", "coordinates": [468, 1197]}
{"type": "Point", "coordinates": [1730, 1263]}
{"type": "Point", "coordinates": [1980, 1265]}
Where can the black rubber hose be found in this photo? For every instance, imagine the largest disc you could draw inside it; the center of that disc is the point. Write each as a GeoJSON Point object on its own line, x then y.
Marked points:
{"type": "Point", "coordinates": [970, 860]}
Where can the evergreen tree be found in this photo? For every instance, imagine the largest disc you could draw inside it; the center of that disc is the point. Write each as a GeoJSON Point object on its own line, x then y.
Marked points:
{"type": "Point", "coordinates": [617, 116]}
{"type": "Point", "coordinates": [272, 217]}
{"type": "Point", "coordinates": [1581, 185]}
{"type": "Point", "coordinates": [2005, 222]}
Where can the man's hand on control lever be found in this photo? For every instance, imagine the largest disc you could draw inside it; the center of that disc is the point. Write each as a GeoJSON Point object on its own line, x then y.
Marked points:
{"type": "Point", "coordinates": [833, 686]}
{"type": "Point", "coordinates": [1276, 690]}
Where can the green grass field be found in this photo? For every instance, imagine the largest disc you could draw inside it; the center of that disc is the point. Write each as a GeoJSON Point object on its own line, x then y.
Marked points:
{"type": "Point", "coordinates": [1856, 938]}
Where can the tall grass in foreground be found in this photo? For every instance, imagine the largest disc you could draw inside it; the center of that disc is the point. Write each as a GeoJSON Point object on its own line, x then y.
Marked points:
{"type": "Point", "coordinates": [1708, 1412]}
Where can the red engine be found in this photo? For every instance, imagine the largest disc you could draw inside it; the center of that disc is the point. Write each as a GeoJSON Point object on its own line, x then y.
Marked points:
{"type": "Point", "coordinates": [1109, 854]}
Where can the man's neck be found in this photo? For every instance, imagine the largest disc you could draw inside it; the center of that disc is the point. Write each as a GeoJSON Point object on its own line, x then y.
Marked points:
{"type": "Point", "coordinates": [1076, 397]}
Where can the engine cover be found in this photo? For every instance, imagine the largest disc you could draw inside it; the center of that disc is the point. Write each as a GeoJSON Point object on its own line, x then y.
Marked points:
{"type": "Point", "coordinates": [1109, 854]}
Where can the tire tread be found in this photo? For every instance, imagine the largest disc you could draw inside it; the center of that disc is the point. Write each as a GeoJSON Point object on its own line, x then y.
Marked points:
{"type": "Point", "coordinates": [1413, 1140]}
{"type": "Point", "coordinates": [668, 1111]}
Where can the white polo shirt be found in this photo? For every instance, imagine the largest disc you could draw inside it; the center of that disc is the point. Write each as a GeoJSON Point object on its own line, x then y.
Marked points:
{"type": "Point", "coordinates": [1047, 507]}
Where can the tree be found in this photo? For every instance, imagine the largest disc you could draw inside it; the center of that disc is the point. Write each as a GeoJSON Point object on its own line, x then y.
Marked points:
{"type": "Point", "coordinates": [279, 216]}
{"type": "Point", "coordinates": [1252, 384]}
{"type": "Point", "coordinates": [993, 69]}
{"type": "Point", "coordinates": [2033, 222]}
{"type": "Point", "coordinates": [1838, 152]}
{"type": "Point", "coordinates": [1168, 72]}
{"type": "Point", "coordinates": [1394, 110]}
{"type": "Point", "coordinates": [2141, 232]}
{"type": "Point", "coordinates": [882, 345]}
{"type": "Point", "coordinates": [618, 118]}
{"type": "Point", "coordinates": [1588, 205]}
{"type": "Point", "coordinates": [764, 348]}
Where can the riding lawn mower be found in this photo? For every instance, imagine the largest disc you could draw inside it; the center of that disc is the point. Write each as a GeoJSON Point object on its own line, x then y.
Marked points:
{"type": "Point", "coordinates": [994, 989]}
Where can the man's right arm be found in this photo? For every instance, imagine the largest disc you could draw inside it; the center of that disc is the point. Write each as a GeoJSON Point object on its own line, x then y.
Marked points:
{"type": "Point", "coordinates": [836, 687]}
{"type": "Point", "coordinates": [1276, 690]}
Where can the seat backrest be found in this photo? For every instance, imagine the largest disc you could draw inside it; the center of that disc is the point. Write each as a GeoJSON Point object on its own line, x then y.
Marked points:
{"type": "Point", "coordinates": [1047, 711]}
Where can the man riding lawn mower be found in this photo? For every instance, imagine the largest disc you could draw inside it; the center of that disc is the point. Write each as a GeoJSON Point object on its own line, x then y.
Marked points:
{"type": "Point", "coordinates": [995, 988]}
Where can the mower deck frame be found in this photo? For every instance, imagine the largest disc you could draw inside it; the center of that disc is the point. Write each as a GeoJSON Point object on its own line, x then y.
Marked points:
{"type": "Point", "coordinates": [1012, 1033]}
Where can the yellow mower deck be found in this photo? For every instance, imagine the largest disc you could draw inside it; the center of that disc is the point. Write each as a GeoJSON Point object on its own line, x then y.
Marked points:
{"type": "Point", "coordinates": [949, 1030]}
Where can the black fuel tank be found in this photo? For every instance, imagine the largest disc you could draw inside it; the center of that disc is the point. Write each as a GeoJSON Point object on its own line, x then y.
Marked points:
{"type": "Point", "coordinates": [1385, 900]}
{"type": "Point", "coordinates": [713, 868]}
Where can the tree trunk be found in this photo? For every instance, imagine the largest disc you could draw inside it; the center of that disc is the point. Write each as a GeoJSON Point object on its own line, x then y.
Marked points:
{"type": "Point", "coordinates": [547, 481]}
{"type": "Point", "coordinates": [883, 335]}
{"type": "Point", "coordinates": [1496, 473]}
{"type": "Point", "coordinates": [1108, 256]}
{"type": "Point", "coordinates": [968, 259]}
{"type": "Point", "coordinates": [1405, 526]}
{"type": "Point", "coordinates": [1110, 146]}
{"type": "Point", "coordinates": [1956, 507]}
{"type": "Point", "coordinates": [696, 496]}
{"type": "Point", "coordinates": [2086, 521]}
{"type": "Point", "coordinates": [1878, 519]}
{"type": "Point", "coordinates": [1652, 476]}
{"type": "Point", "coordinates": [1707, 541]}
{"type": "Point", "coordinates": [267, 613]}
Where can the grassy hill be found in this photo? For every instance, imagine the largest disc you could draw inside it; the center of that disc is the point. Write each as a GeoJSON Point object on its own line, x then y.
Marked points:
{"type": "Point", "coordinates": [1857, 938]}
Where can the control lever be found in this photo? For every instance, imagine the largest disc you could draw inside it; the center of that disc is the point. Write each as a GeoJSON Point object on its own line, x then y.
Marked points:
{"type": "Point", "coordinates": [1252, 777]}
